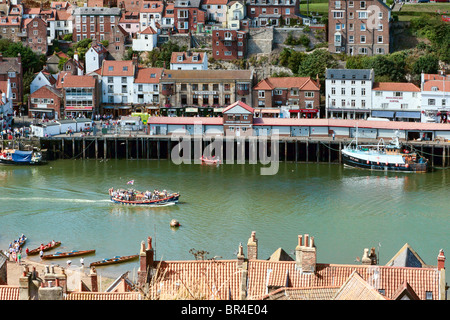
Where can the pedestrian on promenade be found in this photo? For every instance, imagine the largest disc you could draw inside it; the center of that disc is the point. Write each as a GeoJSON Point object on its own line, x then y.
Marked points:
{"type": "Point", "coordinates": [41, 253]}
{"type": "Point", "coordinates": [82, 262]}
{"type": "Point", "coordinates": [19, 257]}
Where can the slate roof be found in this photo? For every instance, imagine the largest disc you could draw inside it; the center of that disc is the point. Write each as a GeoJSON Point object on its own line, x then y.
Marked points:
{"type": "Point", "coordinates": [349, 74]}
{"type": "Point", "coordinates": [96, 11]}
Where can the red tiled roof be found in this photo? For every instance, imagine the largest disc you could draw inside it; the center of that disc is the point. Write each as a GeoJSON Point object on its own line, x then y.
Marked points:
{"type": "Point", "coordinates": [118, 68]}
{"type": "Point", "coordinates": [428, 76]}
{"type": "Point", "coordinates": [9, 293]}
{"type": "Point", "coordinates": [199, 279]}
{"type": "Point", "coordinates": [187, 58]}
{"type": "Point", "coordinates": [149, 30]}
{"type": "Point", "coordinates": [379, 277]}
{"type": "Point", "coordinates": [303, 83]}
{"type": "Point", "coordinates": [241, 104]}
{"type": "Point", "coordinates": [395, 86]}
{"type": "Point", "coordinates": [144, 75]}
{"type": "Point", "coordinates": [103, 296]}
{"type": "Point", "coordinates": [158, 4]}
{"type": "Point", "coordinates": [439, 84]}
{"type": "Point", "coordinates": [72, 81]}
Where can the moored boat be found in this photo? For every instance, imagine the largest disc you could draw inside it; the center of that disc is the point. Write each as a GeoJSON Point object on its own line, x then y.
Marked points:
{"type": "Point", "coordinates": [46, 247]}
{"type": "Point", "coordinates": [384, 157]}
{"type": "Point", "coordinates": [19, 157]}
{"type": "Point", "coordinates": [210, 161]}
{"type": "Point", "coordinates": [68, 254]}
{"type": "Point", "coordinates": [116, 259]}
{"type": "Point", "coordinates": [134, 197]}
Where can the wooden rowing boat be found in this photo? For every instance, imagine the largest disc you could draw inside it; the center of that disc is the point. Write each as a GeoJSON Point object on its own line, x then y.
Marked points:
{"type": "Point", "coordinates": [68, 254]}
{"type": "Point", "coordinates": [116, 259]}
{"type": "Point", "coordinates": [46, 248]}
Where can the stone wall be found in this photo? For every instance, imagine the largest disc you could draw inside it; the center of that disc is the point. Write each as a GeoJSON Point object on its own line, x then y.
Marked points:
{"type": "Point", "coordinates": [260, 40]}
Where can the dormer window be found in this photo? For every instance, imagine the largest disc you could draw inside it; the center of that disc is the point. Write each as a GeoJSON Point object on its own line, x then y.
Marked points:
{"type": "Point", "coordinates": [180, 58]}
{"type": "Point", "coordinates": [111, 68]}
{"type": "Point", "coordinates": [194, 58]}
{"type": "Point", "coordinates": [434, 89]}
{"type": "Point", "coordinates": [125, 69]}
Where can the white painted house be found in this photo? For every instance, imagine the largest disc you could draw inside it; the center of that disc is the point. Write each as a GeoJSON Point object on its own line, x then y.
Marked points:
{"type": "Point", "coordinates": [396, 101]}
{"type": "Point", "coordinates": [146, 86]}
{"type": "Point", "coordinates": [189, 61]}
{"type": "Point", "coordinates": [348, 93]}
{"type": "Point", "coordinates": [150, 13]}
{"type": "Point", "coordinates": [146, 40]}
{"type": "Point", "coordinates": [118, 82]}
{"type": "Point", "coordinates": [42, 79]}
{"type": "Point", "coordinates": [435, 97]}
{"type": "Point", "coordinates": [94, 57]}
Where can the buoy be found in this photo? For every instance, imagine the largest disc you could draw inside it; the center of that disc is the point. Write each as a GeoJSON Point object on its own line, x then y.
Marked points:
{"type": "Point", "coordinates": [174, 223]}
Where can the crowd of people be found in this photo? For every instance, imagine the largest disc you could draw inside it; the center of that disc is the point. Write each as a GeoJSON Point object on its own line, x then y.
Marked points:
{"type": "Point", "coordinates": [14, 252]}
{"type": "Point", "coordinates": [132, 195]}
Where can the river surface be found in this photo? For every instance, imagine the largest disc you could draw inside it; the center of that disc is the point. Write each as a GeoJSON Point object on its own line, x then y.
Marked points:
{"type": "Point", "coordinates": [346, 210]}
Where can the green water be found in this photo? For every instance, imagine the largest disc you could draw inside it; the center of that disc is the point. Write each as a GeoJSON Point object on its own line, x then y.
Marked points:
{"type": "Point", "coordinates": [346, 210]}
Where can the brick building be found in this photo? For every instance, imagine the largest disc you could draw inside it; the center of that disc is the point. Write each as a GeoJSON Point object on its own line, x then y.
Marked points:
{"type": "Point", "coordinates": [11, 27]}
{"type": "Point", "coordinates": [100, 23]}
{"type": "Point", "coordinates": [11, 68]}
{"type": "Point", "coordinates": [272, 12]}
{"type": "Point", "coordinates": [229, 44]}
{"type": "Point", "coordinates": [300, 94]}
{"type": "Point", "coordinates": [188, 16]}
{"type": "Point", "coordinates": [81, 95]}
{"type": "Point", "coordinates": [238, 119]}
{"type": "Point", "coordinates": [36, 30]}
{"type": "Point", "coordinates": [204, 90]}
{"type": "Point", "coordinates": [359, 27]}
{"type": "Point", "coordinates": [46, 102]}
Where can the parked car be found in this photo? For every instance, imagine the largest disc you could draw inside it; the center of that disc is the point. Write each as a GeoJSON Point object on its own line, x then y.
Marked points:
{"type": "Point", "coordinates": [423, 1]}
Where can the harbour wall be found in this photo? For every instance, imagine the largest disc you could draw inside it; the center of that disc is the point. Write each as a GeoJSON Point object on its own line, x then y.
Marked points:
{"type": "Point", "coordinates": [295, 149]}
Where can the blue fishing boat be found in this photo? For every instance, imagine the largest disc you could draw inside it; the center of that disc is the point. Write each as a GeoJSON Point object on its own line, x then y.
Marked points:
{"type": "Point", "coordinates": [19, 157]}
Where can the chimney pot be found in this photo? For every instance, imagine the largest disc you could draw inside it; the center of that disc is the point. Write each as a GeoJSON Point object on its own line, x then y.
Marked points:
{"type": "Point", "coordinates": [252, 247]}
{"type": "Point", "coordinates": [441, 260]}
{"type": "Point", "coordinates": [300, 240]}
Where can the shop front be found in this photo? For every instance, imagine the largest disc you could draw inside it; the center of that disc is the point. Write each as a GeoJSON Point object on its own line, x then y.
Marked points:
{"type": "Point", "coordinates": [304, 113]}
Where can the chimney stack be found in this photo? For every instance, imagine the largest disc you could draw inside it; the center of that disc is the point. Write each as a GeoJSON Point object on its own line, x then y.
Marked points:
{"type": "Point", "coordinates": [305, 254]}
{"type": "Point", "coordinates": [142, 258]}
{"type": "Point", "coordinates": [441, 260]}
{"type": "Point", "coordinates": [369, 258]}
{"type": "Point", "coordinates": [149, 253]}
{"type": "Point", "coordinates": [94, 282]}
{"type": "Point", "coordinates": [240, 256]}
{"type": "Point", "coordinates": [252, 247]}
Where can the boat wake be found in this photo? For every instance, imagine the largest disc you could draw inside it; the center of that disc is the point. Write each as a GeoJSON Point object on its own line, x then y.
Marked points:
{"type": "Point", "coordinates": [57, 200]}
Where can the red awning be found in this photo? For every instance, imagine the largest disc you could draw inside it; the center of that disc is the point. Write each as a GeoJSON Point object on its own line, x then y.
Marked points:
{"type": "Point", "coordinates": [304, 111]}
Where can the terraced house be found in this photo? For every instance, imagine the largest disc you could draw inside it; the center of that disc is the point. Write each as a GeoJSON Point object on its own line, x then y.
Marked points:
{"type": "Point", "coordinates": [359, 27]}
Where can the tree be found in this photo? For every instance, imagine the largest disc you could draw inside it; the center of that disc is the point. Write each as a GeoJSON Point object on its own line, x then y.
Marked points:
{"type": "Point", "coordinates": [316, 63]}
{"type": "Point", "coordinates": [428, 63]}
{"type": "Point", "coordinates": [30, 60]}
